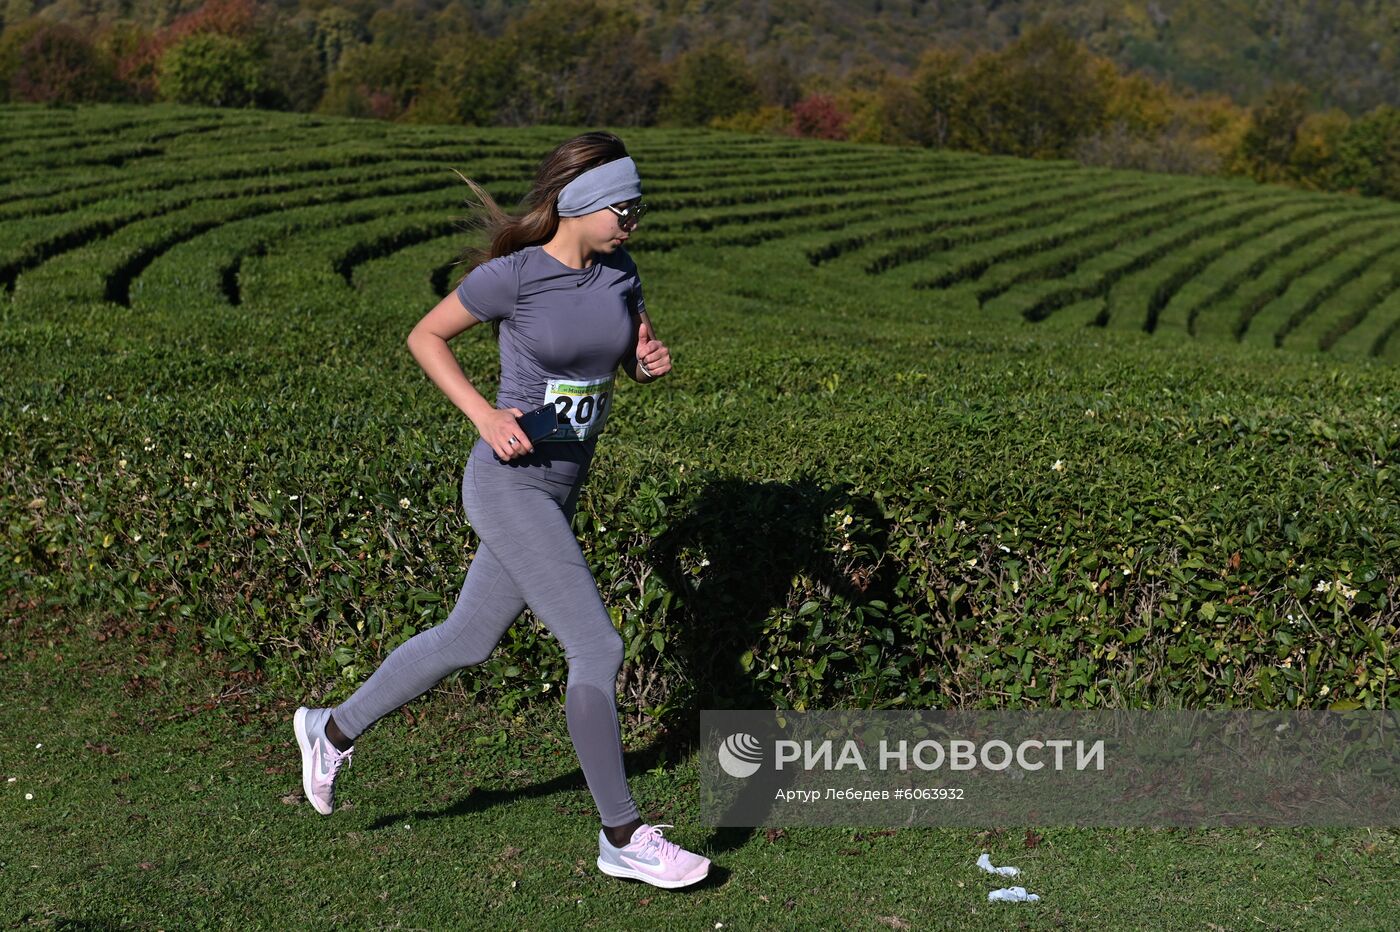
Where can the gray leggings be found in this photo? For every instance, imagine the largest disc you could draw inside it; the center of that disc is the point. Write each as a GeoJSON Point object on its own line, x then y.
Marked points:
{"type": "Point", "coordinates": [528, 555]}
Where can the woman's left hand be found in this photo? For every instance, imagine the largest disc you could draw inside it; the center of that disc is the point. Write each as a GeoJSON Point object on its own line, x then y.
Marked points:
{"type": "Point", "coordinates": [653, 357]}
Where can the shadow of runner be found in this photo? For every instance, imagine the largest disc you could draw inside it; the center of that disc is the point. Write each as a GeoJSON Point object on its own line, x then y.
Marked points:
{"type": "Point", "coordinates": [478, 799]}
{"type": "Point", "coordinates": [756, 536]}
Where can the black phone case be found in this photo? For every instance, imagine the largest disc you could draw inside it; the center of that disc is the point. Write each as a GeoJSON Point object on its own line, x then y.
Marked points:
{"type": "Point", "coordinates": [541, 423]}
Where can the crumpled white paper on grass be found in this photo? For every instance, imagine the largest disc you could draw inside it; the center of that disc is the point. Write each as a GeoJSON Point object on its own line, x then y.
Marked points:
{"type": "Point", "coordinates": [1005, 894]}
{"type": "Point", "coordinates": [985, 862]}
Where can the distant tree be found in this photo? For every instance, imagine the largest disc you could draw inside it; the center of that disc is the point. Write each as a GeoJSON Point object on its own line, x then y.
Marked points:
{"type": "Point", "coordinates": [1175, 150]}
{"type": "Point", "coordinates": [775, 78]}
{"type": "Point", "coordinates": [1314, 160]}
{"type": "Point", "coordinates": [942, 90]}
{"type": "Point", "coordinates": [472, 77]}
{"type": "Point", "coordinates": [11, 42]}
{"type": "Point", "coordinates": [16, 12]}
{"type": "Point", "coordinates": [134, 52]}
{"type": "Point", "coordinates": [579, 62]}
{"type": "Point", "coordinates": [1148, 128]}
{"type": "Point", "coordinates": [295, 79]}
{"type": "Point", "coordinates": [212, 70]}
{"type": "Point", "coordinates": [1218, 123]}
{"type": "Point", "coordinates": [331, 32]}
{"type": "Point", "coordinates": [1266, 151]}
{"type": "Point", "coordinates": [766, 120]}
{"type": "Point", "coordinates": [376, 81]}
{"type": "Point", "coordinates": [1368, 154]}
{"type": "Point", "coordinates": [1141, 106]}
{"type": "Point", "coordinates": [56, 64]}
{"type": "Point", "coordinates": [239, 19]}
{"type": "Point", "coordinates": [817, 116]}
{"type": "Point", "coordinates": [908, 115]}
{"type": "Point", "coordinates": [137, 50]}
{"type": "Point", "coordinates": [865, 119]}
{"type": "Point", "coordinates": [1036, 98]}
{"type": "Point", "coordinates": [400, 24]}
{"type": "Point", "coordinates": [707, 82]}
{"type": "Point", "coordinates": [893, 114]}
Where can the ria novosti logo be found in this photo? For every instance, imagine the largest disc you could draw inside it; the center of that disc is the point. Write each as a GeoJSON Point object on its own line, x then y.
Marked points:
{"type": "Point", "coordinates": [740, 755]}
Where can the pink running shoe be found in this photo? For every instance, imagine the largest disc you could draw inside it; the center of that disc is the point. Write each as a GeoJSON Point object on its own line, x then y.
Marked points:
{"type": "Point", "coordinates": [650, 857]}
{"type": "Point", "coordinates": [320, 761]}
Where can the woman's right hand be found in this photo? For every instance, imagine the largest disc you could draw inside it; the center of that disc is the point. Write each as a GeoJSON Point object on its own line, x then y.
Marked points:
{"type": "Point", "coordinates": [499, 428]}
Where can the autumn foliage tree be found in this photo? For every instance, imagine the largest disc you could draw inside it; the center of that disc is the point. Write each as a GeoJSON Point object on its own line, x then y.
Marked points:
{"type": "Point", "coordinates": [817, 116]}
{"type": "Point", "coordinates": [53, 63]}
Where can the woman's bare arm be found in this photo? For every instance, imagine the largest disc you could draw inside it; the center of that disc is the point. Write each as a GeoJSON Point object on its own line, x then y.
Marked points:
{"type": "Point", "coordinates": [428, 344]}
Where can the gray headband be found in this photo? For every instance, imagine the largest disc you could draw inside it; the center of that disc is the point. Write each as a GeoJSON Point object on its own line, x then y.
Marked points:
{"type": "Point", "coordinates": [598, 187]}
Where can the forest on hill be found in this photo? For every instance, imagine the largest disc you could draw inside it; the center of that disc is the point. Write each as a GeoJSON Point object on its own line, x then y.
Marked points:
{"type": "Point", "coordinates": [1295, 91]}
{"type": "Point", "coordinates": [1346, 52]}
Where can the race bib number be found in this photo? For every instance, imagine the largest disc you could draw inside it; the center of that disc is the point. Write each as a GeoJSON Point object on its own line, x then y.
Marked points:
{"type": "Point", "coordinates": [582, 405]}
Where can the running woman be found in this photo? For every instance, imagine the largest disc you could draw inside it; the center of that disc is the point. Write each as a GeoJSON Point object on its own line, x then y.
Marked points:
{"type": "Point", "coordinates": [565, 300]}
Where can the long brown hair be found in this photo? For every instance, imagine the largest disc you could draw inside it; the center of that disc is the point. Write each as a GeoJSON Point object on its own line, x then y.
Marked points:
{"type": "Point", "coordinates": [506, 233]}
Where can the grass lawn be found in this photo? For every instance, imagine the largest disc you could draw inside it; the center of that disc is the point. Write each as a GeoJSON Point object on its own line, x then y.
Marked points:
{"type": "Point", "coordinates": [166, 794]}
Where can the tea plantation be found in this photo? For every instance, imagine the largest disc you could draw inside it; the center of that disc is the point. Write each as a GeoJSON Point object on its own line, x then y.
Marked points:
{"type": "Point", "coordinates": [943, 429]}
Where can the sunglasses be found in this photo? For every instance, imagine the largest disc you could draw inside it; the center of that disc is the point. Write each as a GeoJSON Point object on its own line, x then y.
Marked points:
{"type": "Point", "coordinates": [629, 215]}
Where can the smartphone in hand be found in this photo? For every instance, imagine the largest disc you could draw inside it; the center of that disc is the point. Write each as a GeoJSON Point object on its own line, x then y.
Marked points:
{"type": "Point", "coordinates": [541, 423]}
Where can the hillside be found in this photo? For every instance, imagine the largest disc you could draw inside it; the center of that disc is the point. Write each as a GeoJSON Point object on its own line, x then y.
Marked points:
{"type": "Point", "coordinates": [1347, 54]}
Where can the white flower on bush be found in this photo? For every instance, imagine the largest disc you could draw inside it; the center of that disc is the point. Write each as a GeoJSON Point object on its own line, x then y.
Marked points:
{"type": "Point", "coordinates": [1324, 586]}
{"type": "Point", "coordinates": [1058, 466]}
{"type": "Point", "coordinates": [403, 503]}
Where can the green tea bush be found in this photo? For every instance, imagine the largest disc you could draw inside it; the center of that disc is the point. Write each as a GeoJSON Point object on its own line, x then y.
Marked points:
{"type": "Point", "coordinates": [852, 491]}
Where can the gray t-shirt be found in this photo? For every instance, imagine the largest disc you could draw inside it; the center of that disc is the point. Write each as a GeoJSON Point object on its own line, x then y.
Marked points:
{"type": "Point", "coordinates": [564, 332]}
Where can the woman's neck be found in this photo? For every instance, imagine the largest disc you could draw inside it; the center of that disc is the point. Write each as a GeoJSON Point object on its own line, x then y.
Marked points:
{"type": "Point", "coordinates": [571, 253]}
